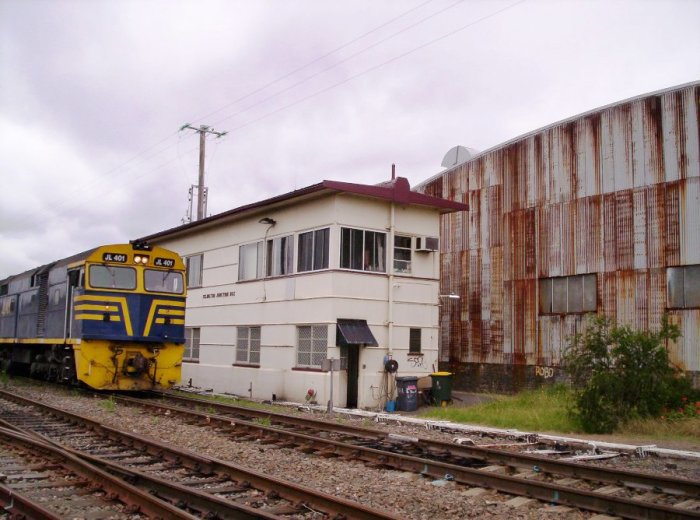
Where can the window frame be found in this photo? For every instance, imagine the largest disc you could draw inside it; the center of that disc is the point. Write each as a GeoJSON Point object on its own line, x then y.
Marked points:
{"type": "Point", "coordinates": [170, 275]}
{"type": "Point", "coordinates": [247, 340]}
{"type": "Point", "coordinates": [116, 268]}
{"type": "Point", "coordinates": [259, 259]}
{"type": "Point", "coordinates": [687, 296]}
{"type": "Point", "coordinates": [8, 305]}
{"type": "Point", "coordinates": [317, 345]}
{"type": "Point", "coordinates": [563, 289]}
{"type": "Point", "coordinates": [279, 256]}
{"type": "Point", "coordinates": [192, 344]}
{"type": "Point", "coordinates": [349, 250]}
{"type": "Point", "coordinates": [415, 341]}
{"type": "Point", "coordinates": [318, 258]}
{"type": "Point", "coordinates": [191, 266]}
{"type": "Point", "coordinates": [403, 248]}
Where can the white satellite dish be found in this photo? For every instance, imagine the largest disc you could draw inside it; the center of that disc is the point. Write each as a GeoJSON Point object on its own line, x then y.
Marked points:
{"type": "Point", "coordinates": [458, 155]}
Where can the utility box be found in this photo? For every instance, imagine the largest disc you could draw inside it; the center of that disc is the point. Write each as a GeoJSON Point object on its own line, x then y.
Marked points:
{"type": "Point", "coordinates": [442, 388]}
{"type": "Point", "coordinates": [407, 393]}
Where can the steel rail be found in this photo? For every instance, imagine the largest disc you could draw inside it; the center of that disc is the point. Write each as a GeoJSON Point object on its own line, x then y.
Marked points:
{"type": "Point", "coordinates": [294, 493]}
{"type": "Point", "coordinates": [440, 449]}
{"type": "Point", "coordinates": [551, 493]}
{"type": "Point", "coordinates": [128, 494]}
{"type": "Point", "coordinates": [20, 506]}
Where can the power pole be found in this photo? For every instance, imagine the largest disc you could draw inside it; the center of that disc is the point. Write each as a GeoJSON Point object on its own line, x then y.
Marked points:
{"type": "Point", "coordinates": [203, 130]}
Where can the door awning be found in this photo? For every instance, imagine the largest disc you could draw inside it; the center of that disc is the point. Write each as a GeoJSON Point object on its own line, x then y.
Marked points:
{"type": "Point", "coordinates": [354, 332]}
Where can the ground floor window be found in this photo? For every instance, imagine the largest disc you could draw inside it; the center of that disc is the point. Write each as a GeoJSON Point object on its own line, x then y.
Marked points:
{"type": "Point", "coordinates": [414, 341]}
{"type": "Point", "coordinates": [191, 344]}
{"type": "Point", "coordinates": [248, 345]}
{"type": "Point", "coordinates": [312, 345]}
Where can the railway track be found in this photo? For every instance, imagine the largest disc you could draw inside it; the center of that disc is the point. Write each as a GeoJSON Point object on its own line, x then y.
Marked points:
{"type": "Point", "coordinates": [196, 485]}
{"type": "Point", "coordinates": [40, 480]}
{"type": "Point", "coordinates": [611, 491]}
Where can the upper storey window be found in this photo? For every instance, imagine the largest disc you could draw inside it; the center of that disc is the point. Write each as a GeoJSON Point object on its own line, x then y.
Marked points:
{"type": "Point", "coordinates": [194, 270]}
{"type": "Point", "coordinates": [402, 254]}
{"type": "Point", "coordinates": [280, 253]}
{"type": "Point", "coordinates": [250, 261]}
{"type": "Point", "coordinates": [313, 250]}
{"type": "Point", "coordinates": [363, 250]}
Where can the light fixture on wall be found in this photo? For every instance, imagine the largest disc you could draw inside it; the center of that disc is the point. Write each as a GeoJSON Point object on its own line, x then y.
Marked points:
{"type": "Point", "coordinates": [267, 220]}
{"type": "Point", "coordinates": [451, 296]}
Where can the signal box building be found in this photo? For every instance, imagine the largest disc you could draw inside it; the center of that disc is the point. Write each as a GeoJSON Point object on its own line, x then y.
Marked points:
{"type": "Point", "coordinates": [596, 214]}
{"type": "Point", "coordinates": [332, 271]}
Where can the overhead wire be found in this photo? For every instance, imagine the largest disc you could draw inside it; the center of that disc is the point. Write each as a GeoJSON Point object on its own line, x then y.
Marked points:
{"type": "Point", "coordinates": [344, 60]}
{"type": "Point", "coordinates": [316, 93]}
{"type": "Point", "coordinates": [120, 169]}
{"type": "Point", "coordinates": [315, 60]}
{"type": "Point", "coordinates": [378, 66]}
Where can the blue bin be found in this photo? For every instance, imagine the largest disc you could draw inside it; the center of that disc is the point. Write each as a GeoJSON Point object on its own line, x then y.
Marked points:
{"type": "Point", "coordinates": [407, 389]}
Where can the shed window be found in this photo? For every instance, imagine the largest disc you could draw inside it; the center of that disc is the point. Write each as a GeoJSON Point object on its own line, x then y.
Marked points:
{"type": "Point", "coordinates": [683, 287]}
{"type": "Point", "coordinates": [568, 294]}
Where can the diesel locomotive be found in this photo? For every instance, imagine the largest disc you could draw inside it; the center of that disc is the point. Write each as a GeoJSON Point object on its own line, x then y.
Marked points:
{"type": "Point", "coordinates": [111, 318]}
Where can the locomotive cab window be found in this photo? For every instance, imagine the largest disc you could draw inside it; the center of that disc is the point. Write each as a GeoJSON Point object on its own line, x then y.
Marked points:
{"type": "Point", "coordinates": [112, 277]}
{"type": "Point", "coordinates": [163, 281]}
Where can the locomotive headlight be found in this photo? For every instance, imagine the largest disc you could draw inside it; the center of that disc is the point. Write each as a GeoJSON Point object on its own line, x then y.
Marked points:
{"type": "Point", "coordinates": [140, 259]}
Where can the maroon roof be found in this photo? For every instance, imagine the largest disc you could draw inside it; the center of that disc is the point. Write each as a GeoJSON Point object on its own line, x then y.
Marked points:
{"type": "Point", "coordinates": [397, 190]}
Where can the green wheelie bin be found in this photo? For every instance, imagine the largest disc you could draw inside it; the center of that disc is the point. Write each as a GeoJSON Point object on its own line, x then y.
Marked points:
{"type": "Point", "coordinates": [442, 388]}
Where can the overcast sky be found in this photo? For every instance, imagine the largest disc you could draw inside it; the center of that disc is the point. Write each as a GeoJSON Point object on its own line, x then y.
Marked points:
{"type": "Point", "coordinates": [93, 93]}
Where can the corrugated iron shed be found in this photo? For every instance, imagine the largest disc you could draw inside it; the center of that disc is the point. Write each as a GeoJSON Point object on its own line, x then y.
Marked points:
{"type": "Point", "coordinates": [614, 192]}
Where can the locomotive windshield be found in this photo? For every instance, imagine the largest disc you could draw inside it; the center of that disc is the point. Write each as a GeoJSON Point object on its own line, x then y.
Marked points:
{"type": "Point", "coordinates": [163, 281]}
{"type": "Point", "coordinates": [111, 277]}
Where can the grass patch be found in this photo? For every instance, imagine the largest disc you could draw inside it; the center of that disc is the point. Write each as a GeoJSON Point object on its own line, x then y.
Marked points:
{"type": "Point", "coordinates": [109, 405]}
{"type": "Point", "coordinates": [544, 410]}
{"type": "Point", "coordinates": [679, 430]}
{"type": "Point", "coordinates": [547, 410]}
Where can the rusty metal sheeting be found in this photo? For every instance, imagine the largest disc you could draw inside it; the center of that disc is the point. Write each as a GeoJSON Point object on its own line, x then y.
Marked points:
{"type": "Point", "coordinates": [615, 192]}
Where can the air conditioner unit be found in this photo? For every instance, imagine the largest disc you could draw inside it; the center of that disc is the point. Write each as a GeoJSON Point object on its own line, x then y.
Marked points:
{"type": "Point", "coordinates": [427, 244]}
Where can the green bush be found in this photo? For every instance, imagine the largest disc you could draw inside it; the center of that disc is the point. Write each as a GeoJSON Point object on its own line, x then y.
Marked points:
{"type": "Point", "coordinates": [621, 374]}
